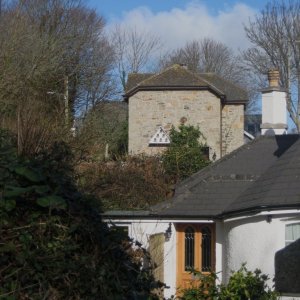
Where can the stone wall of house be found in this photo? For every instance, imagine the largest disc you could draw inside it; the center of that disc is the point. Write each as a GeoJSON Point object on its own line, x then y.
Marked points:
{"type": "Point", "coordinates": [150, 109]}
{"type": "Point", "coordinates": [232, 127]}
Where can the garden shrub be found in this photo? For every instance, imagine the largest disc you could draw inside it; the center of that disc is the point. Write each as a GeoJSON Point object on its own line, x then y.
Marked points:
{"type": "Point", "coordinates": [243, 285]}
{"type": "Point", "coordinates": [53, 245]}
{"type": "Point", "coordinates": [128, 183]}
{"type": "Point", "coordinates": [185, 155]}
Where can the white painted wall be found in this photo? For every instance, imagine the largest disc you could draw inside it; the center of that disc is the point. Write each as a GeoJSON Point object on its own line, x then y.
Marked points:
{"type": "Point", "coordinates": [249, 239]}
{"type": "Point", "coordinates": [255, 241]}
{"type": "Point", "coordinates": [141, 230]}
{"type": "Point", "coordinates": [219, 249]}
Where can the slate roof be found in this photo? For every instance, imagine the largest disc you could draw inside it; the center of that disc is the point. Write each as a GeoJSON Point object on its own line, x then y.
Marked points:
{"type": "Point", "coordinates": [178, 77]}
{"type": "Point", "coordinates": [233, 92]}
{"type": "Point", "coordinates": [261, 175]}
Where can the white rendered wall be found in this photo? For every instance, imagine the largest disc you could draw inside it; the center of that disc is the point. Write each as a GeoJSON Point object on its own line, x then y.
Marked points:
{"type": "Point", "coordinates": [219, 249]}
{"type": "Point", "coordinates": [141, 230]}
{"type": "Point", "coordinates": [250, 239]}
{"type": "Point", "coordinates": [255, 241]}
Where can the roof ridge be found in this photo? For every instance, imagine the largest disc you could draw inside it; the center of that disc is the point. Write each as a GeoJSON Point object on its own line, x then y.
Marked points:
{"type": "Point", "coordinates": [158, 74]}
{"type": "Point", "coordinates": [174, 66]}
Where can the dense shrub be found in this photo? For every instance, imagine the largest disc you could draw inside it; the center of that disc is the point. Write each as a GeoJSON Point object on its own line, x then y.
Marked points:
{"type": "Point", "coordinates": [53, 245]}
{"type": "Point", "coordinates": [137, 182]}
{"type": "Point", "coordinates": [185, 155]}
{"type": "Point", "coordinates": [243, 285]}
{"type": "Point", "coordinates": [130, 183]}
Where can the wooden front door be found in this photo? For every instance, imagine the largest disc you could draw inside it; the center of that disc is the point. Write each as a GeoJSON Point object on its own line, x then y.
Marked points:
{"type": "Point", "coordinates": [195, 251]}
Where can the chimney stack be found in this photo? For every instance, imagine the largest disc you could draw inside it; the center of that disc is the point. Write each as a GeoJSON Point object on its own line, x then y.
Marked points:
{"type": "Point", "coordinates": [184, 66]}
{"type": "Point", "coordinates": [273, 77]}
{"type": "Point", "coordinates": [274, 113]}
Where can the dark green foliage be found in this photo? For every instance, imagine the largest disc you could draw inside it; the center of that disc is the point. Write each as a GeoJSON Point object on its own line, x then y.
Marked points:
{"type": "Point", "coordinates": [185, 154]}
{"type": "Point", "coordinates": [243, 285]}
{"type": "Point", "coordinates": [53, 245]}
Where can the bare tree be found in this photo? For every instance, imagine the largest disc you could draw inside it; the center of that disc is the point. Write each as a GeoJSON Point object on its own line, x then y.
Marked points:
{"type": "Point", "coordinates": [275, 35]}
{"type": "Point", "coordinates": [134, 50]}
{"type": "Point", "coordinates": [206, 56]}
{"type": "Point", "coordinates": [54, 60]}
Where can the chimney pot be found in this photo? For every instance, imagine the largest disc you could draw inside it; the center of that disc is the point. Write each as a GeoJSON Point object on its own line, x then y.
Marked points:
{"type": "Point", "coordinates": [273, 77]}
{"type": "Point", "coordinates": [274, 119]}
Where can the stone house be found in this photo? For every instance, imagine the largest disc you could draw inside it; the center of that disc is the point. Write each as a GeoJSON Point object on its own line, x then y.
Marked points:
{"type": "Point", "coordinates": [156, 102]}
{"type": "Point", "coordinates": [245, 207]}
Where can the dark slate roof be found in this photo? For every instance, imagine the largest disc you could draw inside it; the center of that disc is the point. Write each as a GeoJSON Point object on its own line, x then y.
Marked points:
{"type": "Point", "coordinates": [232, 91]}
{"type": "Point", "coordinates": [178, 77]}
{"type": "Point", "coordinates": [135, 78]}
{"type": "Point", "coordinates": [263, 174]}
{"type": "Point", "coordinates": [278, 186]}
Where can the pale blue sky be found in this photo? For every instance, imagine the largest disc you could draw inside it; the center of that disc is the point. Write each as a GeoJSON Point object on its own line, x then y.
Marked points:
{"type": "Point", "coordinates": [179, 21]}
{"type": "Point", "coordinates": [112, 9]}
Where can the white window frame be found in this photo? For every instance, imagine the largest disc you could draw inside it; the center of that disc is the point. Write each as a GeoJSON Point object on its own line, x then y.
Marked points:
{"type": "Point", "coordinates": [290, 241]}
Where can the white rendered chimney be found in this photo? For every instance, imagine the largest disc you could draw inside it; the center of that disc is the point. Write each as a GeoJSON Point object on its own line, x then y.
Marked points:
{"type": "Point", "coordinates": [274, 119]}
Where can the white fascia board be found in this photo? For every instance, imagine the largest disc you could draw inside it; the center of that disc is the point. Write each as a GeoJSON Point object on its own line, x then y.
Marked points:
{"type": "Point", "coordinates": [263, 213]}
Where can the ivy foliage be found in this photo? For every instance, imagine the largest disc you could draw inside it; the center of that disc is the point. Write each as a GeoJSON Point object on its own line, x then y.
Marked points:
{"type": "Point", "coordinates": [243, 285]}
{"type": "Point", "coordinates": [53, 245]}
{"type": "Point", "coordinates": [185, 155]}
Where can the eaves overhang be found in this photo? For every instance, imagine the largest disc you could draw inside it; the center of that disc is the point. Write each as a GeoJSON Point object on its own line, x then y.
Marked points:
{"type": "Point", "coordinates": [257, 209]}
{"type": "Point", "coordinates": [136, 89]}
{"type": "Point", "coordinates": [148, 215]}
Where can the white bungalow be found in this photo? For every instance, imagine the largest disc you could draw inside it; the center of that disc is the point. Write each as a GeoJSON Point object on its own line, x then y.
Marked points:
{"type": "Point", "coordinates": [245, 207]}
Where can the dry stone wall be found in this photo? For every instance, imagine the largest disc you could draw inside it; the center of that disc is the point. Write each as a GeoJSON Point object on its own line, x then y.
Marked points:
{"type": "Point", "coordinates": [232, 127]}
{"type": "Point", "coordinates": [150, 109]}
{"type": "Point", "coordinates": [222, 125]}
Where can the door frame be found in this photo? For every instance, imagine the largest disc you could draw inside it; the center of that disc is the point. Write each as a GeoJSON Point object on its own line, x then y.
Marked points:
{"type": "Point", "coordinates": [181, 274]}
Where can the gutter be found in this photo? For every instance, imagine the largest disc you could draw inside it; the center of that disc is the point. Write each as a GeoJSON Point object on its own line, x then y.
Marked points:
{"type": "Point", "coordinates": [172, 88]}
{"type": "Point", "coordinates": [257, 209]}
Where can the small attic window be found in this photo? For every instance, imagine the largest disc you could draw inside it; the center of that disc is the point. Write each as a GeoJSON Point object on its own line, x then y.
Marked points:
{"type": "Point", "coordinates": [160, 138]}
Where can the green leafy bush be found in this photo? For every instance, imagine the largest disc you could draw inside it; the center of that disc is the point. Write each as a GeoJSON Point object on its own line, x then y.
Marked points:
{"type": "Point", "coordinates": [243, 285]}
{"type": "Point", "coordinates": [185, 155]}
{"type": "Point", "coordinates": [53, 245]}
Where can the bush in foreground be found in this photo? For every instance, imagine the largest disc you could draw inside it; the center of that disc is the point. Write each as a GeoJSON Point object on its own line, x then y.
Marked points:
{"type": "Point", "coordinates": [53, 245]}
{"type": "Point", "coordinates": [243, 285]}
